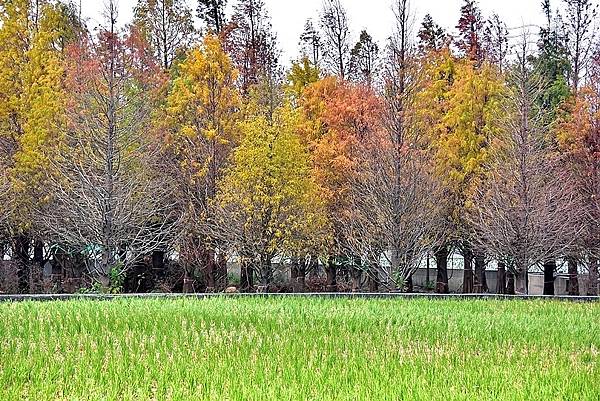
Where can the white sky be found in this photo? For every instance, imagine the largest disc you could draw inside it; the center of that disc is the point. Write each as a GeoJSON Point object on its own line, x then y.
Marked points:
{"type": "Point", "coordinates": [376, 16]}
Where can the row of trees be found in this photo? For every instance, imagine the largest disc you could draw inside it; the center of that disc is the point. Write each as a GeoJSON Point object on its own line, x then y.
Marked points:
{"type": "Point", "coordinates": [162, 142]}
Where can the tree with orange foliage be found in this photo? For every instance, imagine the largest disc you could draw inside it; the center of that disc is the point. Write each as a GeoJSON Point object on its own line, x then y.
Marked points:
{"type": "Point", "coordinates": [338, 117]}
{"type": "Point", "coordinates": [579, 141]}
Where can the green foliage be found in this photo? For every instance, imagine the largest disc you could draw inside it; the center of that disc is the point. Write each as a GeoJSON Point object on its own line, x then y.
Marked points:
{"type": "Point", "coordinates": [432, 37]}
{"type": "Point", "coordinates": [302, 74]}
{"type": "Point", "coordinates": [116, 278]}
{"type": "Point", "coordinates": [552, 64]}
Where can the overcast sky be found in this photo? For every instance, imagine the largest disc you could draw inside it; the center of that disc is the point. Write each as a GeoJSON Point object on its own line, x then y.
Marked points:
{"type": "Point", "coordinates": [376, 16]}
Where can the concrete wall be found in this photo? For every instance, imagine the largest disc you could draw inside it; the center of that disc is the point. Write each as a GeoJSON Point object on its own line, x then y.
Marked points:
{"type": "Point", "coordinates": [535, 283]}
{"type": "Point", "coordinates": [455, 279]}
{"type": "Point", "coordinates": [8, 279]}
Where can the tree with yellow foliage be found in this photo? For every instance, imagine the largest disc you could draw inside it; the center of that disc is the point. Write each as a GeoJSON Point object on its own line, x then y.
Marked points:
{"type": "Point", "coordinates": [32, 82]}
{"type": "Point", "coordinates": [202, 113]}
{"type": "Point", "coordinates": [457, 108]}
{"type": "Point", "coordinates": [301, 74]}
{"type": "Point", "coordinates": [270, 198]}
{"type": "Point", "coordinates": [34, 38]}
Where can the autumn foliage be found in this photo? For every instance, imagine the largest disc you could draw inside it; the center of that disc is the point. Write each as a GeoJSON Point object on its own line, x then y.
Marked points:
{"type": "Point", "coordinates": [161, 151]}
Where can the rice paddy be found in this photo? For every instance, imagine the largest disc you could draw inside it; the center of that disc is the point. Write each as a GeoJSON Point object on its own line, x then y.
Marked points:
{"type": "Point", "coordinates": [299, 349]}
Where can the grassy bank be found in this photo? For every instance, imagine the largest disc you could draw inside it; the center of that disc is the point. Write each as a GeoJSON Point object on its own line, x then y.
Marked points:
{"type": "Point", "coordinates": [299, 349]}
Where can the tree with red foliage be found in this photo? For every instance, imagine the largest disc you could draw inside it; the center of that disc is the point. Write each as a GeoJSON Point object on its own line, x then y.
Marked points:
{"type": "Point", "coordinates": [251, 43]}
{"type": "Point", "coordinates": [471, 31]}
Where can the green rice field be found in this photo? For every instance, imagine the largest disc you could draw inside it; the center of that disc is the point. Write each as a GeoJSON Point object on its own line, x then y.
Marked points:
{"type": "Point", "coordinates": [299, 349]}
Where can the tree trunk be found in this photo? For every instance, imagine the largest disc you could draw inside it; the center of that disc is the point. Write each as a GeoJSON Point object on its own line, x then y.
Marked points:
{"type": "Point", "coordinates": [222, 279]}
{"type": "Point", "coordinates": [330, 270]}
{"type": "Point", "coordinates": [21, 254]}
{"type": "Point", "coordinates": [573, 287]}
{"type": "Point", "coordinates": [297, 275]}
{"type": "Point", "coordinates": [521, 281]}
{"type": "Point", "coordinates": [38, 253]}
{"type": "Point", "coordinates": [36, 276]}
{"type": "Point", "coordinates": [294, 269]}
{"type": "Point", "coordinates": [593, 278]}
{"type": "Point", "coordinates": [209, 269]}
{"type": "Point", "coordinates": [501, 278]}
{"type": "Point", "coordinates": [373, 279]}
{"type": "Point", "coordinates": [441, 261]}
{"type": "Point", "coordinates": [510, 284]}
{"type": "Point", "coordinates": [301, 277]}
{"type": "Point", "coordinates": [468, 271]}
{"type": "Point", "coordinates": [158, 261]}
{"type": "Point", "coordinates": [549, 269]}
{"type": "Point", "coordinates": [355, 273]}
{"type": "Point", "coordinates": [266, 272]}
{"type": "Point", "coordinates": [246, 276]}
{"type": "Point", "coordinates": [188, 283]}
{"type": "Point", "coordinates": [427, 277]}
{"type": "Point", "coordinates": [409, 287]}
{"type": "Point", "coordinates": [480, 278]}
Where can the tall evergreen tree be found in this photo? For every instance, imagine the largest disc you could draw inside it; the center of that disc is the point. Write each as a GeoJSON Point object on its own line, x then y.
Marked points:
{"type": "Point", "coordinates": [432, 37]}
{"type": "Point", "coordinates": [551, 62]}
{"type": "Point", "coordinates": [212, 13]}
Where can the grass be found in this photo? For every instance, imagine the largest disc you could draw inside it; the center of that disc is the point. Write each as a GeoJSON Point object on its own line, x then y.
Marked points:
{"type": "Point", "coordinates": [299, 349]}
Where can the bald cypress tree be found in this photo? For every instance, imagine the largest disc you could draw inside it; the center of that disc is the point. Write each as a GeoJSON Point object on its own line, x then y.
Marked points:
{"type": "Point", "coordinates": [252, 44]}
{"type": "Point", "coordinates": [471, 31]}
{"type": "Point", "coordinates": [336, 34]}
{"type": "Point", "coordinates": [311, 43]}
{"type": "Point", "coordinates": [495, 41]}
{"type": "Point", "coordinates": [364, 59]}
{"type": "Point", "coordinates": [167, 25]}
